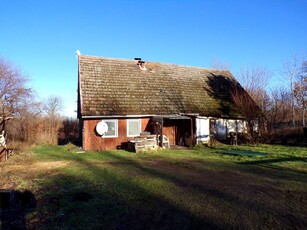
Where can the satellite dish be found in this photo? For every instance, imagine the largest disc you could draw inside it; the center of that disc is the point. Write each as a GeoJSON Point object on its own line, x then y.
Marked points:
{"type": "Point", "coordinates": [102, 128]}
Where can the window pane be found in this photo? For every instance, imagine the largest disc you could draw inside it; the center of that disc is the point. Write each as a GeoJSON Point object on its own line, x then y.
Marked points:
{"type": "Point", "coordinates": [133, 128]}
{"type": "Point", "coordinates": [111, 128]}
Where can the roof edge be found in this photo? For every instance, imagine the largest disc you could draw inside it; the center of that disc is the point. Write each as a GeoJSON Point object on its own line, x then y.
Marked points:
{"type": "Point", "coordinates": [164, 63]}
{"type": "Point", "coordinates": [117, 116]}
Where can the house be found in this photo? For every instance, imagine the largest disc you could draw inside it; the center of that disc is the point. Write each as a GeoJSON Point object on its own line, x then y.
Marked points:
{"type": "Point", "coordinates": [118, 99]}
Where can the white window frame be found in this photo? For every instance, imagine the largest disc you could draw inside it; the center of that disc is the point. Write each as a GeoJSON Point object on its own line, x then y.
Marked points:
{"type": "Point", "coordinates": [140, 127]}
{"type": "Point", "coordinates": [116, 128]}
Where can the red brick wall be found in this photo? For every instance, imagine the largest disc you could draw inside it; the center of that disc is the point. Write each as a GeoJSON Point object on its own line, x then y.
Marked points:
{"type": "Point", "coordinates": [92, 141]}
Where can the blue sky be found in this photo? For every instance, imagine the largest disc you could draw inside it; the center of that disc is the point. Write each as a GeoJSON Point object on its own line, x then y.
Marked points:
{"type": "Point", "coordinates": [42, 36]}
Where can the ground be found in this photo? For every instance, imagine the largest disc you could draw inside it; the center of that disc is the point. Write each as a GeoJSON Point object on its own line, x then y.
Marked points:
{"type": "Point", "coordinates": [178, 189]}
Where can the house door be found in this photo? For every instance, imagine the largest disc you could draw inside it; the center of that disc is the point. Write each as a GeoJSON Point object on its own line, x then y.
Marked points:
{"type": "Point", "coordinates": [176, 129]}
{"type": "Point", "coordinates": [170, 132]}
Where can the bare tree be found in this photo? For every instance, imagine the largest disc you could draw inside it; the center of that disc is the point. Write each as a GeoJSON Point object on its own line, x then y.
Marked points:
{"type": "Point", "coordinates": [14, 93]}
{"type": "Point", "coordinates": [279, 109]}
{"type": "Point", "coordinates": [300, 89]}
{"type": "Point", "coordinates": [248, 108]}
{"type": "Point", "coordinates": [255, 80]}
{"type": "Point", "coordinates": [13, 90]}
{"type": "Point", "coordinates": [218, 64]}
{"type": "Point", "coordinates": [33, 121]}
{"type": "Point", "coordinates": [52, 108]}
{"type": "Point", "coordinates": [24, 126]}
{"type": "Point", "coordinates": [291, 71]}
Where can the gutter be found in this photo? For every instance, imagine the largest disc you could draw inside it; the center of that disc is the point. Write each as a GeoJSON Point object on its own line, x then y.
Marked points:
{"type": "Point", "coordinates": [117, 116]}
{"type": "Point", "coordinates": [129, 116]}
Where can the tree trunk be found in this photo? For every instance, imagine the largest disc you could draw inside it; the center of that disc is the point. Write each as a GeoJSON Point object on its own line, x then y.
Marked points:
{"type": "Point", "coordinates": [303, 114]}
{"type": "Point", "coordinates": [292, 100]}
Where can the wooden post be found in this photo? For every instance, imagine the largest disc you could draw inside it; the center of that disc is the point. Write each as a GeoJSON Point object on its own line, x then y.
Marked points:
{"type": "Point", "coordinates": [226, 128]}
{"type": "Point", "coordinates": [161, 135]}
{"type": "Point", "coordinates": [192, 134]}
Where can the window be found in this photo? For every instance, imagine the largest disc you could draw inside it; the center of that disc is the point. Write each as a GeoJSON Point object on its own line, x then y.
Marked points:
{"type": "Point", "coordinates": [112, 128]}
{"type": "Point", "coordinates": [133, 127]}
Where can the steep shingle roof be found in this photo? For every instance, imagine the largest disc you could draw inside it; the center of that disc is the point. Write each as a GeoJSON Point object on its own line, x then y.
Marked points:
{"type": "Point", "coordinates": [119, 87]}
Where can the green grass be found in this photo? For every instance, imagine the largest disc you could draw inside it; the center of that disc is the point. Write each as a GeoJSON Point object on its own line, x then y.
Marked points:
{"type": "Point", "coordinates": [170, 189]}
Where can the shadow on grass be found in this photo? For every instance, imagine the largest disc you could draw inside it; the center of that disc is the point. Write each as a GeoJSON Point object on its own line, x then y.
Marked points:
{"type": "Point", "coordinates": [276, 160]}
{"type": "Point", "coordinates": [271, 168]}
{"type": "Point", "coordinates": [283, 172]}
{"type": "Point", "coordinates": [118, 201]}
{"type": "Point", "coordinates": [219, 192]}
{"type": "Point", "coordinates": [14, 206]}
{"type": "Point", "coordinates": [115, 202]}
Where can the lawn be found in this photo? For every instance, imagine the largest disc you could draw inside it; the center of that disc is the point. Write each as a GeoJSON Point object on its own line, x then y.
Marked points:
{"type": "Point", "coordinates": [226, 187]}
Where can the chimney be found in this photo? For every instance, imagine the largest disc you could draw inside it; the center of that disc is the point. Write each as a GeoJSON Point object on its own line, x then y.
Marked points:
{"type": "Point", "coordinates": [140, 63]}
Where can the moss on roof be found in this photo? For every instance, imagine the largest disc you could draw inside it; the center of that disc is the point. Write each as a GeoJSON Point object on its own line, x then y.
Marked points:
{"type": "Point", "coordinates": [110, 86]}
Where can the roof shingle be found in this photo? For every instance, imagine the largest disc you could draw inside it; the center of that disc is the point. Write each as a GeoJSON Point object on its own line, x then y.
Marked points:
{"type": "Point", "coordinates": [110, 86]}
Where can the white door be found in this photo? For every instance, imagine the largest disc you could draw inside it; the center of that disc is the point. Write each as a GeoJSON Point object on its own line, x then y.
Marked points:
{"type": "Point", "coordinates": [202, 130]}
